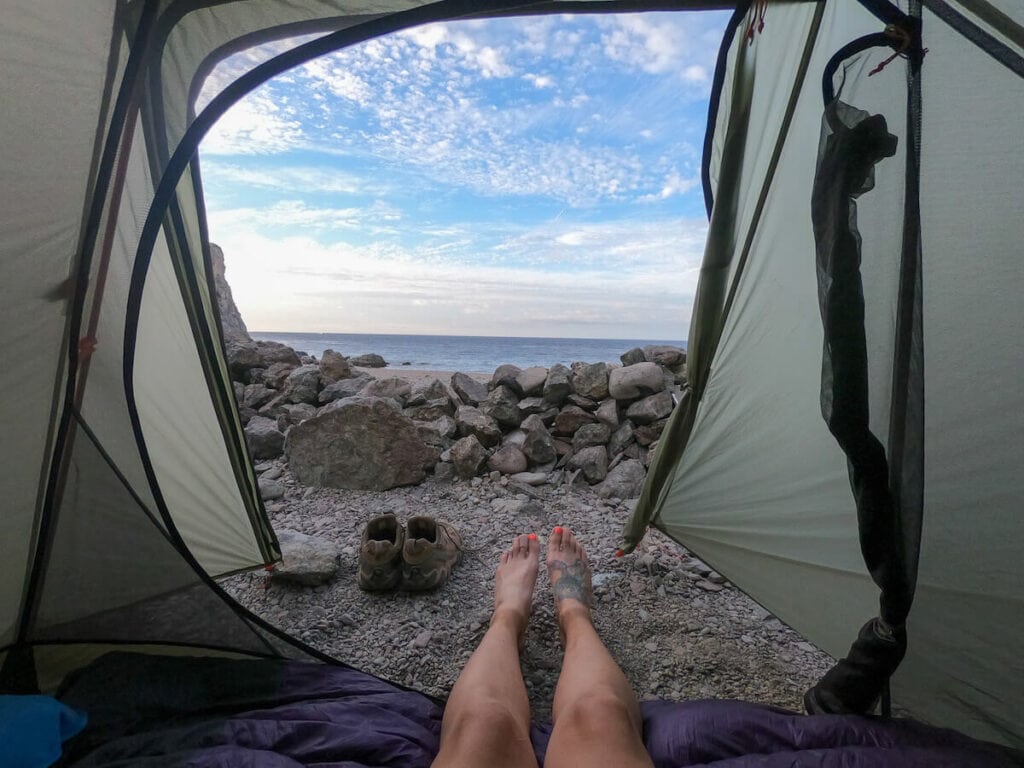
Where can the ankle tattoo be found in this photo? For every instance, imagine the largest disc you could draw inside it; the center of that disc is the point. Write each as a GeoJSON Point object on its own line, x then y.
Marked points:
{"type": "Point", "coordinates": [572, 583]}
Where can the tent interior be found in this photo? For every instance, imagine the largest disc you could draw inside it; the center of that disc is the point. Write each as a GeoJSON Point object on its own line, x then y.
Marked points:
{"type": "Point", "coordinates": [857, 472]}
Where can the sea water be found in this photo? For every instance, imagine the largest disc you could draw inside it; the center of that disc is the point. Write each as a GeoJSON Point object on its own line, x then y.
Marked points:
{"type": "Point", "coordinates": [470, 354]}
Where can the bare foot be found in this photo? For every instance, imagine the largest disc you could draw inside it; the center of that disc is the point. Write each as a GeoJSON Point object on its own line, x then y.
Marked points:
{"type": "Point", "coordinates": [514, 581]}
{"type": "Point", "coordinates": [569, 572]}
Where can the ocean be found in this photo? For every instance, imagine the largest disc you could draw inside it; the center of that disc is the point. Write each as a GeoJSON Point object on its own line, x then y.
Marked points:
{"type": "Point", "coordinates": [471, 354]}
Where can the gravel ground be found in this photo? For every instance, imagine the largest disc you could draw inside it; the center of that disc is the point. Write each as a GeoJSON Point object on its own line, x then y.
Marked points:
{"type": "Point", "coordinates": [679, 630]}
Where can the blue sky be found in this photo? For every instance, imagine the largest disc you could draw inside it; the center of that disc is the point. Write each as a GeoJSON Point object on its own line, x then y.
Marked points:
{"type": "Point", "coordinates": [510, 177]}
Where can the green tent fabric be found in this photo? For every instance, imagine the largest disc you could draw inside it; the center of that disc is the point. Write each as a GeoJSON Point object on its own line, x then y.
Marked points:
{"type": "Point", "coordinates": [125, 484]}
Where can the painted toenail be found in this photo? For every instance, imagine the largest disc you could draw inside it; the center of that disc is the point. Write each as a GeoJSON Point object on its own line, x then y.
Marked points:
{"type": "Point", "coordinates": [619, 553]}
{"type": "Point", "coordinates": [532, 537]}
{"type": "Point", "coordinates": [558, 529]}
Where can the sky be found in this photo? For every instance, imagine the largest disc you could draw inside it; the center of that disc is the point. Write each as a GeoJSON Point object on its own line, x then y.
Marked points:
{"type": "Point", "coordinates": [532, 176]}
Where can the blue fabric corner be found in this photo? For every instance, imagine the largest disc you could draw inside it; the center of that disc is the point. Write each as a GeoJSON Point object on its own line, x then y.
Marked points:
{"type": "Point", "coordinates": [34, 728]}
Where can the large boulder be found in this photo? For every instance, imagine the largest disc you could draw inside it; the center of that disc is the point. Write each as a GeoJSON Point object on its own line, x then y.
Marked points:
{"type": "Point", "coordinates": [242, 354]}
{"type": "Point", "coordinates": [665, 355]}
{"type": "Point", "coordinates": [624, 481]}
{"type": "Point", "coordinates": [633, 356]}
{"type": "Point", "coordinates": [635, 381]}
{"type": "Point", "coordinates": [505, 376]}
{"type": "Point", "coordinates": [426, 391]}
{"type": "Point", "coordinates": [531, 405]}
{"type": "Point", "coordinates": [592, 463]}
{"type": "Point", "coordinates": [394, 387]}
{"type": "Point", "coordinates": [306, 560]}
{"type": "Point", "coordinates": [344, 388]}
{"type": "Point", "coordinates": [431, 410]}
{"type": "Point", "coordinates": [255, 396]}
{"type": "Point", "coordinates": [362, 443]}
{"type": "Point", "coordinates": [467, 455]}
{"type": "Point", "coordinates": [264, 439]}
{"type": "Point", "coordinates": [276, 375]}
{"type": "Point", "coordinates": [590, 434]}
{"type": "Point", "coordinates": [621, 438]}
{"type": "Point", "coordinates": [469, 389]}
{"type": "Point", "coordinates": [508, 460]}
{"type": "Point", "coordinates": [275, 352]}
{"type": "Point", "coordinates": [531, 381]}
{"type": "Point", "coordinates": [471, 421]}
{"type": "Point", "coordinates": [558, 384]}
{"type": "Point", "coordinates": [368, 361]}
{"type": "Point", "coordinates": [304, 384]}
{"type": "Point", "coordinates": [571, 418]}
{"type": "Point", "coordinates": [608, 413]}
{"type": "Point", "coordinates": [591, 381]}
{"type": "Point", "coordinates": [502, 405]}
{"type": "Point", "coordinates": [294, 413]}
{"type": "Point", "coordinates": [538, 445]}
{"type": "Point", "coordinates": [335, 366]}
{"type": "Point", "coordinates": [651, 408]}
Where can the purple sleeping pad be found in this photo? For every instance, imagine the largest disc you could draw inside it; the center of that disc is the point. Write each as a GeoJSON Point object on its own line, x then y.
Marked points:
{"type": "Point", "coordinates": [168, 712]}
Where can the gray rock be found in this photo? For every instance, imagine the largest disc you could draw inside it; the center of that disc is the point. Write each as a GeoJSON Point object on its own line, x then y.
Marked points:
{"type": "Point", "coordinates": [255, 396]}
{"type": "Point", "coordinates": [624, 481]}
{"type": "Point", "coordinates": [516, 437]}
{"type": "Point", "coordinates": [276, 376]}
{"type": "Point", "coordinates": [502, 405]}
{"type": "Point", "coordinates": [334, 366]}
{"type": "Point", "coordinates": [471, 421]}
{"type": "Point", "coordinates": [665, 355]}
{"type": "Point", "coordinates": [468, 456]}
{"type": "Point", "coordinates": [651, 408]}
{"type": "Point", "coordinates": [621, 438]}
{"type": "Point", "coordinates": [531, 405]}
{"type": "Point", "coordinates": [505, 376]}
{"type": "Point", "coordinates": [558, 384]}
{"type": "Point", "coordinates": [444, 472]}
{"type": "Point", "coordinates": [508, 460]}
{"type": "Point", "coordinates": [230, 319]}
{"type": "Point", "coordinates": [635, 381]}
{"type": "Point", "coordinates": [270, 490]}
{"type": "Point", "coordinates": [395, 388]}
{"type": "Point", "coordinates": [539, 446]}
{"type": "Point", "coordinates": [294, 413]}
{"type": "Point", "coordinates": [344, 388]}
{"type": "Point", "coordinates": [582, 402]}
{"type": "Point", "coordinates": [469, 389]}
{"type": "Point", "coordinates": [647, 434]}
{"type": "Point", "coordinates": [426, 391]}
{"type": "Point", "coordinates": [591, 381]}
{"type": "Point", "coordinates": [264, 439]}
{"type": "Point", "coordinates": [531, 381]}
{"type": "Point", "coordinates": [431, 411]}
{"type": "Point", "coordinates": [592, 463]}
{"type": "Point", "coordinates": [242, 355]}
{"type": "Point", "coordinates": [275, 352]}
{"type": "Point", "coordinates": [632, 357]}
{"type": "Point", "coordinates": [608, 413]}
{"type": "Point", "coordinates": [530, 478]}
{"type": "Point", "coordinates": [255, 376]}
{"type": "Point", "coordinates": [438, 432]}
{"type": "Point", "coordinates": [304, 384]}
{"type": "Point", "coordinates": [590, 434]}
{"type": "Point", "coordinates": [368, 361]}
{"type": "Point", "coordinates": [306, 560]}
{"type": "Point", "coordinates": [571, 418]}
{"type": "Point", "coordinates": [363, 443]}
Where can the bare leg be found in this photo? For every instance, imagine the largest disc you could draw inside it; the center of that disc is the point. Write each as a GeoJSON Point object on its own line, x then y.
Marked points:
{"type": "Point", "coordinates": [596, 714]}
{"type": "Point", "coordinates": [487, 719]}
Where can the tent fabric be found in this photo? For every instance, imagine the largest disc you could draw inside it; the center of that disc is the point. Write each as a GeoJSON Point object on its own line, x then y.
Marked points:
{"type": "Point", "coordinates": [758, 487]}
{"type": "Point", "coordinates": [151, 710]}
{"type": "Point", "coordinates": [121, 432]}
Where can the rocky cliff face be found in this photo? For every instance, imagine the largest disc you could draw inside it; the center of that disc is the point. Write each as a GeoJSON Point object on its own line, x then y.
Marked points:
{"type": "Point", "coordinates": [230, 319]}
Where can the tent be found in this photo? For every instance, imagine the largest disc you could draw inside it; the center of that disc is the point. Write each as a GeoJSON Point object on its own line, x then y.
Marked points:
{"type": "Point", "coordinates": [862, 265]}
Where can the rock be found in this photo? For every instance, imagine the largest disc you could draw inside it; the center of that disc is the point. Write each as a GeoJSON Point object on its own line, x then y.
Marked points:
{"type": "Point", "coordinates": [651, 408]}
{"type": "Point", "coordinates": [633, 356]}
{"type": "Point", "coordinates": [427, 391]}
{"type": "Point", "coordinates": [635, 381]}
{"type": "Point", "coordinates": [608, 413]}
{"type": "Point", "coordinates": [502, 405]}
{"type": "Point", "coordinates": [530, 478]}
{"type": "Point", "coordinates": [665, 355]}
{"type": "Point", "coordinates": [362, 443]}
{"type": "Point", "coordinates": [469, 389]}
{"type": "Point", "coordinates": [242, 355]}
{"type": "Point", "coordinates": [395, 388]}
{"type": "Point", "coordinates": [431, 411]}
{"type": "Point", "coordinates": [505, 376]}
{"type": "Point", "coordinates": [508, 460]}
{"type": "Point", "coordinates": [294, 413]}
{"type": "Point", "coordinates": [709, 586]}
{"type": "Point", "coordinates": [621, 438]}
{"type": "Point", "coordinates": [531, 381]}
{"type": "Point", "coordinates": [582, 402]}
{"type": "Point", "coordinates": [306, 560]}
{"type": "Point", "coordinates": [646, 434]}
{"type": "Point", "coordinates": [368, 361]}
{"type": "Point", "coordinates": [230, 319]}
{"type": "Point", "coordinates": [590, 434]}
{"type": "Point", "coordinates": [255, 396]}
{"type": "Point", "coordinates": [558, 384]}
{"type": "Point", "coordinates": [468, 456]}
{"type": "Point", "coordinates": [422, 640]}
{"type": "Point", "coordinates": [539, 446]}
{"type": "Point", "coordinates": [444, 472]}
{"type": "Point", "coordinates": [275, 352]}
{"type": "Point", "coordinates": [255, 376]}
{"type": "Point", "coordinates": [303, 384]}
{"type": "Point", "coordinates": [516, 437]}
{"type": "Point", "coordinates": [437, 432]}
{"type": "Point", "coordinates": [591, 381]}
{"type": "Point", "coordinates": [264, 439]}
{"type": "Point", "coordinates": [471, 421]}
{"type": "Point", "coordinates": [344, 388]}
{"type": "Point", "coordinates": [624, 481]}
{"type": "Point", "coordinates": [334, 366]}
{"type": "Point", "coordinates": [571, 418]}
{"type": "Point", "coordinates": [270, 490]}
{"type": "Point", "coordinates": [592, 463]}
{"type": "Point", "coordinates": [277, 375]}
{"type": "Point", "coordinates": [531, 405]}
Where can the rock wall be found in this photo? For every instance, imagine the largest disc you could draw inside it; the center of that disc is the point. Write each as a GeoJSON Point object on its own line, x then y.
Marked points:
{"type": "Point", "coordinates": [230, 319]}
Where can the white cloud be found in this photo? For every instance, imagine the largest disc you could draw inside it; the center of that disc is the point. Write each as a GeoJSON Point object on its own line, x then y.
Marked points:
{"type": "Point", "coordinates": [644, 44]}
{"type": "Point", "coordinates": [375, 219]}
{"type": "Point", "coordinates": [540, 81]}
{"type": "Point", "coordinates": [257, 125]}
{"type": "Point", "coordinates": [674, 184]}
{"type": "Point", "coordinates": [302, 179]}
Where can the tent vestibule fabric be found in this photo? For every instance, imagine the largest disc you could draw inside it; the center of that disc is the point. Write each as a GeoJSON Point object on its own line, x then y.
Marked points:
{"type": "Point", "coordinates": [126, 485]}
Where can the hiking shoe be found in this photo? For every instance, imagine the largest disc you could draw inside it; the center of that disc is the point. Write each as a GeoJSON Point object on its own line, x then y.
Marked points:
{"type": "Point", "coordinates": [380, 554]}
{"type": "Point", "coordinates": [432, 548]}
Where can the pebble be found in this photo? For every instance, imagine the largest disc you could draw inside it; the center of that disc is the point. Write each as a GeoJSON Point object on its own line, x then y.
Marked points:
{"type": "Point", "coordinates": [709, 586]}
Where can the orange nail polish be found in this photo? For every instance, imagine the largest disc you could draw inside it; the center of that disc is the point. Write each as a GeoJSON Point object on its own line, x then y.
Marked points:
{"type": "Point", "coordinates": [532, 537]}
{"type": "Point", "coordinates": [558, 529]}
{"type": "Point", "coordinates": [619, 553]}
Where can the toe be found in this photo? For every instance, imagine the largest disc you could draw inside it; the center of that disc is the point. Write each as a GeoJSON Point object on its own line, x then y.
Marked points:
{"type": "Point", "coordinates": [533, 544]}
{"type": "Point", "coordinates": [555, 544]}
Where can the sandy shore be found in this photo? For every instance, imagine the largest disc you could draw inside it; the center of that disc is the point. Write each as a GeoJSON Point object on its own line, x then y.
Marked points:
{"type": "Point", "coordinates": [412, 375]}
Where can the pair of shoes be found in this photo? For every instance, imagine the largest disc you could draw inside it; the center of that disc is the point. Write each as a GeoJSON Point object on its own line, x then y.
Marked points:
{"type": "Point", "coordinates": [417, 556]}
